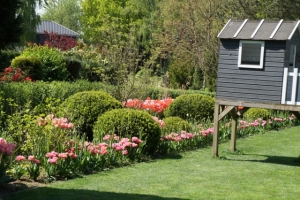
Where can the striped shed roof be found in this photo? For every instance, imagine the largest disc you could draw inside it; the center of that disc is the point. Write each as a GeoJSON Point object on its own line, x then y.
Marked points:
{"type": "Point", "coordinates": [259, 29]}
{"type": "Point", "coordinates": [51, 26]}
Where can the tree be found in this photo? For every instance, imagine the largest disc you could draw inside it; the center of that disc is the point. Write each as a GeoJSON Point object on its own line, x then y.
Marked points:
{"type": "Point", "coordinates": [269, 9]}
{"type": "Point", "coordinates": [10, 23]}
{"type": "Point", "coordinates": [64, 12]}
{"type": "Point", "coordinates": [188, 29]}
{"type": "Point", "coordinates": [122, 29]}
{"type": "Point", "coordinates": [30, 19]}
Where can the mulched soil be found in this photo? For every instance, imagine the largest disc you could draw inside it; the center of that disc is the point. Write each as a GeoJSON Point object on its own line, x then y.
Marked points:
{"type": "Point", "coordinates": [19, 185]}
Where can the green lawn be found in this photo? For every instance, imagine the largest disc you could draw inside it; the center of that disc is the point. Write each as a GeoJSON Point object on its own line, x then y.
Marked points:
{"type": "Point", "coordinates": [264, 167]}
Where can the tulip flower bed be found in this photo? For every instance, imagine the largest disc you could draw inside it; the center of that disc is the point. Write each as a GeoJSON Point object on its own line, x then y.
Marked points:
{"type": "Point", "coordinates": [57, 153]}
{"type": "Point", "coordinates": [155, 106]}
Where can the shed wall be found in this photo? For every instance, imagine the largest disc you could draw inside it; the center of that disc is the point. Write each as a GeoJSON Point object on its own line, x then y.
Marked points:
{"type": "Point", "coordinates": [255, 85]}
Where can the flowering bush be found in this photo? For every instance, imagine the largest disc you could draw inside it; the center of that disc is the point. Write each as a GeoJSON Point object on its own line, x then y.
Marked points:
{"type": "Point", "coordinates": [6, 150]}
{"type": "Point", "coordinates": [15, 75]}
{"type": "Point", "coordinates": [62, 42]}
{"type": "Point", "coordinates": [34, 167]}
{"type": "Point", "coordinates": [52, 133]}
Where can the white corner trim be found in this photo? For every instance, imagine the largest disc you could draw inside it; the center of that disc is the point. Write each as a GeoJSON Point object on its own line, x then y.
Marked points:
{"type": "Point", "coordinates": [223, 28]}
{"type": "Point", "coordinates": [257, 28]}
{"type": "Point", "coordinates": [295, 77]}
{"type": "Point", "coordinates": [276, 29]}
{"type": "Point", "coordinates": [295, 28]}
{"type": "Point", "coordinates": [243, 24]}
{"type": "Point", "coordinates": [284, 85]}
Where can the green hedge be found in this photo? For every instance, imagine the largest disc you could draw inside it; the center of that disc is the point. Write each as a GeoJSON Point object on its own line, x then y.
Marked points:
{"type": "Point", "coordinates": [191, 107]}
{"type": "Point", "coordinates": [83, 109]}
{"type": "Point", "coordinates": [129, 123]}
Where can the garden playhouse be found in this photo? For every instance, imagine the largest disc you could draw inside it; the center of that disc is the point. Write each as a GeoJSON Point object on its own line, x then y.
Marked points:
{"type": "Point", "coordinates": [258, 67]}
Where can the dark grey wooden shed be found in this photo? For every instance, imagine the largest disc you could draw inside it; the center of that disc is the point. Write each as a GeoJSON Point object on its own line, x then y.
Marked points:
{"type": "Point", "coordinates": [53, 27]}
{"type": "Point", "coordinates": [258, 67]}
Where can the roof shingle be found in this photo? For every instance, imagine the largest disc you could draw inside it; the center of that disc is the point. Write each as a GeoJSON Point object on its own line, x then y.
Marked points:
{"type": "Point", "coordinates": [51, 26]}
{"type": "Point", "coordinates": [253, 30]}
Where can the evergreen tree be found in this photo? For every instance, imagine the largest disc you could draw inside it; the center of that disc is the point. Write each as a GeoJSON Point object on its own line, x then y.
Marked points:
{"type": "Point", "coordinates": [10, 23]}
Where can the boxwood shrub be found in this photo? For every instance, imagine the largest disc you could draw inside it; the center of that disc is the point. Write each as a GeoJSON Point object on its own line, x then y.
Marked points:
{"type": "Point", "coordinates": [83, 109]}
{"type": "Point", "coordinates": [128, 123]}
{"type": "Point", "coordinates": [255, 113]}
{"type": "Point", "coordinates": [175, 124]}
{"type": "Point", "coordinates": [31, 66]}
{"type": "Point", "coordinates": [191, 107]}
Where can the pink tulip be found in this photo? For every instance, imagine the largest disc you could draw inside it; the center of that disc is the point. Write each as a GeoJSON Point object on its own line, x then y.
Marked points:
{"type": "Point", "coordinates": [63, 155]}
{"type": "Point", "coordinates": [53, 160]}
{"type": "Point", "coordinates": [36, 161]}
{"type": "Point", "coordinates": [134, 145]}
{"type": "Point", "coordinates": [30, 158]}
{"type": "Point", "coordinates": [20, 158]}
{"type": "Point", "coordinates": [136, 140]}
{"type": "Point", "coordinates": [106, 137]}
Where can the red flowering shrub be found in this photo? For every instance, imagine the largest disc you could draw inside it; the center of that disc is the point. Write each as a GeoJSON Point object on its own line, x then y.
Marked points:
{"type": "Point", "coordinates": [62, 42]}
{"type": "Point", "coordinates": [14, 75]}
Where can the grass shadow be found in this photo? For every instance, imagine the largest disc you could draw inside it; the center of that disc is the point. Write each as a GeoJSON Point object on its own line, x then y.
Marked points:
{"type": "Point", "coordinates": [280, 160]}
{"type": "Point", "coordinates": [46, 193]}
{"type": "Point", "coordinates": [168, 156]}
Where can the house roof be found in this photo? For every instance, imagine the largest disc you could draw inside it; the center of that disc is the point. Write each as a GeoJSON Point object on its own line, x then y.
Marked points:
{"type": "Point", "coordinates": [51, 26]}
{"type": "Point", "coordinates": [259, 29]}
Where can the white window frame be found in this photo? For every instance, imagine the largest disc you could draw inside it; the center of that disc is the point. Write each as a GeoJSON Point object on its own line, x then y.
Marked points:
{"type": "Point", "coordinates": [262, 50]}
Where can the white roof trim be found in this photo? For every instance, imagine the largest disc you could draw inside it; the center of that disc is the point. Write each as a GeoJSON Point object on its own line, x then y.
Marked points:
{"type": "Point", "coordinates": [243, 24]}
{"type": "Point", "coordinates": [295, 28]}
{"type": "Point", "coordinates": [223, 28]}
{"type": "Point", "coordinates": [276, 29]}
{"type": "Point", "coordinates": [257, 28]}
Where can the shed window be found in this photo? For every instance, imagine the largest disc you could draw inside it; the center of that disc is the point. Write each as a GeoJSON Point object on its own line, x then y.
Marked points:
{"type": "Point", "coordinates": [251, 54]}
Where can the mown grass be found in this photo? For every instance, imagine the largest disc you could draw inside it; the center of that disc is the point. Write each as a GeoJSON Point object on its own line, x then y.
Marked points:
{"type": "Point", "coordinates": [265, 166]}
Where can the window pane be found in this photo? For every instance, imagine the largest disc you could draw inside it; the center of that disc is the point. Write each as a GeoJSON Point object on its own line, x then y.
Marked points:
{"type": "Point", "coordinates": [251, 53]}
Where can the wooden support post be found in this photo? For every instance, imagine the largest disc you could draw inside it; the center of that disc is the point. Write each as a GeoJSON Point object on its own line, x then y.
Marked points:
{"type": "Point", "coordinates": [233, 129]}
{"type": "Point", "coordinates": [216, 130]}
{"type": "Point", "coordinates": [296, 113]}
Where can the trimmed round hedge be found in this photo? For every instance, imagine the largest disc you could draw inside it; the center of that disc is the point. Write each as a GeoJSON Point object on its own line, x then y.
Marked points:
{"type": "Point", "coordinates": [191, 107]}
{"type": "Point", "coordinates": [128, 123]}
{"type": "Point", "coordinates": [83, 109]}
{"type": "Point", "coordinates": [31, 66]}
{"type": "Point", "coordinates": [175, 124]}
{"type": "Point", "coordinates": [255, 113]}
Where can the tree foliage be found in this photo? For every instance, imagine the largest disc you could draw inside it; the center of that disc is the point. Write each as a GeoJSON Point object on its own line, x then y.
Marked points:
{"type": "Point", "coordinates": [10, 23]}
{"type": "Point", "coordinates": [64, 12]}
{"type": "Point", "coordinates": [190, 28]}
{"type": "Point", "coordinates": [269, 9]}
{"type": "Point", "coordinates": [30, 19]}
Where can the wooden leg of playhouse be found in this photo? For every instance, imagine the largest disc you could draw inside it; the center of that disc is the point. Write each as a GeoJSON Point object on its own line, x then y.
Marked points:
{"type": "Point", "coordinates": [216, 130]}
{"type": "Point", "coordinates": [296, 113]}
{"type": "Point", "coordinates": [233, 129]}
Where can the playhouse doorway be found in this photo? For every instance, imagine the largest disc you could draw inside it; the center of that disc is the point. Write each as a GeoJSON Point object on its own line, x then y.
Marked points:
{"type": "Point", "coordinates": [291, 82]}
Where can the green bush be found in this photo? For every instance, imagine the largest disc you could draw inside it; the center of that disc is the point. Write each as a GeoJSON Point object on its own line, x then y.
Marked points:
{"type": "Point", "coordinates": [129, 123]}
{"type": "Point", "coordinates": [191, 107]}
{"type": "Point", "coordinates": [83, 109]}
{"type": "Point", "coordinates": [31, 66]}
{"type": "Point", "coordinates": [6, 57]}
{"type": "Point", "coordinates": [175, 124]}
{"type": "Point", "coordinates": [255, 113]}
{"type": "Point", "coordinates": [53, 63]}
{"type": "Point", "coordinates": [73, 66]}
